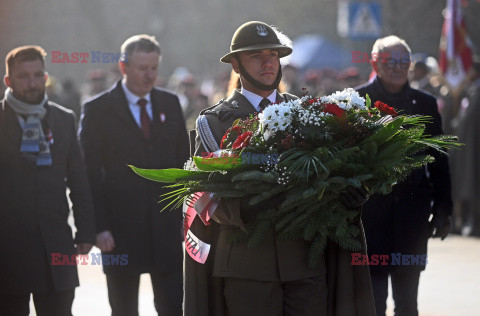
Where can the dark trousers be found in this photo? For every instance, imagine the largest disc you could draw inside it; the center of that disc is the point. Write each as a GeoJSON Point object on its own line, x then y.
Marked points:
{"type": "Point", "coordinates": [123, 293]}
{"type": "Point", "coordinates": [46, 304]}
{"type": "Point", "coordinates": [294, 298]}
{"type": "Point", "coordinates": [404, 291]}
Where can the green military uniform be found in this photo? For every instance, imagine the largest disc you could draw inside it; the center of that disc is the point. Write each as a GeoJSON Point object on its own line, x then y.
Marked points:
{"type": "Point", "coordinates": [274, 259]}
{"type": "Point", "coordinates": [349, 289]}
{"type": "Point", "coordinates": [240, 274]}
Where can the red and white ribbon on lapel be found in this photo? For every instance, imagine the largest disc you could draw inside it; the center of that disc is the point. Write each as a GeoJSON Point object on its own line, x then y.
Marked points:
{"type": "Point", "coordinates": [205, 205]}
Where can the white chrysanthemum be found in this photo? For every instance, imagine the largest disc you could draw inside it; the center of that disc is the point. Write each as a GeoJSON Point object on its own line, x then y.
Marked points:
{"type": "Point", "coordinates": [340, 95]}
{"type": "Point", "coordinates": [347, 99]}
{"type": "Point", "coordinates": [357, 101]}
{"type": "Point", "coordinates": [354, 99]}
{"type": "Point", "coordinates": [276, 117]}
{"type": "Point", "coordinates": [327, 99]}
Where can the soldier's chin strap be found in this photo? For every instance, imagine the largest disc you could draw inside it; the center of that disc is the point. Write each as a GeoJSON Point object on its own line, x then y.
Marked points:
{"type": "Point", "coordinates": [257, 84]}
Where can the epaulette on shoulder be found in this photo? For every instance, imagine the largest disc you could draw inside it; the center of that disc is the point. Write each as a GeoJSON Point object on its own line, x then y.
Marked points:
{"type": "Point", "coordinates": [288, 96]}
{"type": "Point", "coordinates": [211, 109]}
{"type": "Point", "coordinates": [224, 110]}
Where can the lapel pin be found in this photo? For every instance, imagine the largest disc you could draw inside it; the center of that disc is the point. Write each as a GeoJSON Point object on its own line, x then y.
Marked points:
{"type": "Point", "coordinates": [162, 117]}
{"type": "Point", "coordinates": [49, 137]}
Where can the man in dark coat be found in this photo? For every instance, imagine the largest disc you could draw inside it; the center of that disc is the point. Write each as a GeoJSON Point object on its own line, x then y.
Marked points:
{"type": "Point", "coordinates": [39, 157]}
{"type": "Point", "coordinates": [465, 167]}
{"type": "Point", "coordinates": [136, 124]}
{"type": "Point", "coordinates": [397, 224]}
{"type": "Point", "coordinates": [272, 278]}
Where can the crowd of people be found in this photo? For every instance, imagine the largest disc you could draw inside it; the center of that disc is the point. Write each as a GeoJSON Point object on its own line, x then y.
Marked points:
{"type": "Point", "coordinates": [54, 136]}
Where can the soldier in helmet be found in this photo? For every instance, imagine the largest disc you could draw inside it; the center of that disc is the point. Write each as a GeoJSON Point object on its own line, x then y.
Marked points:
{"type": "Point", "coordinates": [255, 55]}
{"type": "Point", "coordinates": [272, 278]}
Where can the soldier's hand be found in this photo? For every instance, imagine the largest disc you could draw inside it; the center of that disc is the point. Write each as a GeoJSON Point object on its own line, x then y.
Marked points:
{"type": "Point", "coordinates": [353, 198]}
{"type": "Point", "coordinates": [105, 241]}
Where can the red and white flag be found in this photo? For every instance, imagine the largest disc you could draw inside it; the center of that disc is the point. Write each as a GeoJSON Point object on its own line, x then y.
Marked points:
{"type": "Point", "coordinates": [455, 46]}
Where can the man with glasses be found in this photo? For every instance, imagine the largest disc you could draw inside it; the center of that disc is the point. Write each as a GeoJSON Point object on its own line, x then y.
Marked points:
{"type": "Point", "coordinates": [397, 224]}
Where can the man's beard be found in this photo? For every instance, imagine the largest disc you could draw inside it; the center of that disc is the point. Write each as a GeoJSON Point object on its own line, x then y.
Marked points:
{"type": "Point", "coordinates": [257, 84]}
{"type": "Point", "coordinates": [32, 96]}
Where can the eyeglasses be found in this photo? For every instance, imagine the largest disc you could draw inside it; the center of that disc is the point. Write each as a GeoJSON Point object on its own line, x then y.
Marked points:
{"type": "Point", "coordinates": [392, 62]}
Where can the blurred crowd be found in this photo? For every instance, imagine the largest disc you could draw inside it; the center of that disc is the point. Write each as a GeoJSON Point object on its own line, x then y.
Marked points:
{"type": "Point", "coordinates": [459, 108]}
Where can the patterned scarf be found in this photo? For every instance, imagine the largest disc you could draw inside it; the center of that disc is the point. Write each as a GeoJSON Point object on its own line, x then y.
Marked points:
{"type": "Point", "coordinates": [34, 144]}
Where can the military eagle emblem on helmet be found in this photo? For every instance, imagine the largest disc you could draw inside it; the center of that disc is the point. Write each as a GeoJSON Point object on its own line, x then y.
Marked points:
{"type": "Point", "coordinates": [262, 30]}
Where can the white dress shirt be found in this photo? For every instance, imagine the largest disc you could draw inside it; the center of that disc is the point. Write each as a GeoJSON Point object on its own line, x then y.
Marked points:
{"type": "Point", "coordinates": [134, 107]}
{"type": "Point", "coordinates": [255, 99]}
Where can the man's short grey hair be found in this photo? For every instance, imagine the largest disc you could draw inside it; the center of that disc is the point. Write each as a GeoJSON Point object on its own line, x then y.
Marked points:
{"type": "Point", "coordinates": [383, 43]}
{"type": "Point", "coordinates": [144, 43]}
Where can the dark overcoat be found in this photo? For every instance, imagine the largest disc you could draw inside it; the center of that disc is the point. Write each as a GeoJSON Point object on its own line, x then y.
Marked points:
{"type": "Point", "coordinates": [399, 222]}
{"type": "Point", "coordinates": [126, 204]}
{"type": "Point", "coordinates": [349, 288]}
{"type": "Point", "coordinates": [34, 207]}
{"type": "Point", "coordinates": [466, 161]}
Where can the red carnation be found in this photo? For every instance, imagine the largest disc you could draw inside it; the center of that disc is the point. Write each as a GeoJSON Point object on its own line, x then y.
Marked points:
{"type": "Point", "coordinates": [224, 138]}
{"type": "Point", "coordinates": [207, 155]}
{"type": "Point", "coordinates": [236, 129]}
{"type": "Point", "coordinates": [242, 140]}
{"type": "Point", "coordinates": [334, 110]}
{"type": "Point", "coordinates": [384, 108]}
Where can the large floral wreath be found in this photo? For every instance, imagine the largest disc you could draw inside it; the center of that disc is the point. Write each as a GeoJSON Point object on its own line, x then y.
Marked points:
{"type": "Point", "coordinates": [307, 151]}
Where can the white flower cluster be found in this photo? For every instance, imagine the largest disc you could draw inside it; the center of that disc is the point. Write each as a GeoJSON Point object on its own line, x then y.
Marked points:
{"type": "Point", "coordinates": [308, 117]}
{"type": "Point", "coordinates": [221, 153]}
{"type": "Point", "coordinates": [284, 177]}
{"type": "Point", "coordinates": [276, 117]}
{"type": "Point", "coordinates": [346, 99]}
{"type": "Point", "coordinates": [190, 165]}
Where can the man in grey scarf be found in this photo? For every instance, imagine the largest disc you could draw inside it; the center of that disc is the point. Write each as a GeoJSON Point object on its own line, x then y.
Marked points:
{"type": "Point", "coordinates": [39, 157]}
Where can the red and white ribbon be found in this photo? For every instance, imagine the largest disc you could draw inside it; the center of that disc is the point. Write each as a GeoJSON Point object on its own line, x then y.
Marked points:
{"type": "Point", "coordinates": [204, 206]}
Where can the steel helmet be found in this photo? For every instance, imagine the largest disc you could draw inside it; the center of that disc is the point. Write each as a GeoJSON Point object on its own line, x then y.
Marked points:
{"type": "Point", "coordinates": [255, 35]}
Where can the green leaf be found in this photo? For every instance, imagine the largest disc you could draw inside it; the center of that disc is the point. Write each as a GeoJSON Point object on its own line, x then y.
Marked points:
{"type": "Point", "coordinates": [164, 175]}
{"type": "Point", "coordinates": [368, 101]}
{"type": "Point", "coordinates": [386, 131]}
{"type": "Point", "coordinates": [217, 164]}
